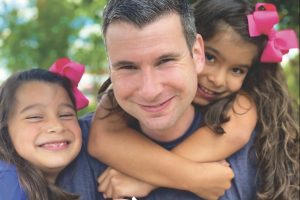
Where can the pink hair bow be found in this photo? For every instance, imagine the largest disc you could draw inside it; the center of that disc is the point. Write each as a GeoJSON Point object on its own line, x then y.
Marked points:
{"type": "Point", "coordinates": [73, 71]}
{"type": "Point", "coordinates": [261, 22]}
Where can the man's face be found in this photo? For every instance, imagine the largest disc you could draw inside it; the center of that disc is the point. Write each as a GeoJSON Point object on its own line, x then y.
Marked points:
{"type": "Point", "coordinates": [154, 75]}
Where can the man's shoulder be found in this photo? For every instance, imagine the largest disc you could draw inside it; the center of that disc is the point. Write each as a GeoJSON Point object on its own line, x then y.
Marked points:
{"type": "Point", "coordinates": [85, 123]}
{"type": "Point", "coordinates": [198, 118]}
{"type": "Point", "coordinates": [87, 118]}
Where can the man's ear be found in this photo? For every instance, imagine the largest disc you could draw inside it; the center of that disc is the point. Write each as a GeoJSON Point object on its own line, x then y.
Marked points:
{"type": "Point", "coordinates": [198, 53]}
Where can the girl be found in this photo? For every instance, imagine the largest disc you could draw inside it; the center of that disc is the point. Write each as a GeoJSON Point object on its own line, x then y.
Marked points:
{"type": "Point", "coordinates": [242, 87]}
{"type": "Point", "coordinates": [40, 137]}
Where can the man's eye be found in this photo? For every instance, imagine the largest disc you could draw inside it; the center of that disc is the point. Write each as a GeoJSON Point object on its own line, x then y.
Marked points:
{"type": "Point", "coordinates": [166, 60]}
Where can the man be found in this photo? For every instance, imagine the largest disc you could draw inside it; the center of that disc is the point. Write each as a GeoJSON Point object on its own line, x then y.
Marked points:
{"type": "Point", "coordinates": [154, 57]}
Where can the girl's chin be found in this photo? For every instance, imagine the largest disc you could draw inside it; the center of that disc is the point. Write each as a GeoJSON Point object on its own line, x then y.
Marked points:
{"type": "Point", "coordinates": [201, 101]}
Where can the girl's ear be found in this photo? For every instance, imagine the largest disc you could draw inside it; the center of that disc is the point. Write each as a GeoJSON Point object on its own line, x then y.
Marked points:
{"type": "Point", "coordinates": [198, 53]}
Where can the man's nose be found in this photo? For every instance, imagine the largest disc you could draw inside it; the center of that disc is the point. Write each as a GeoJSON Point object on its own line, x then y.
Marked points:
{"type": "Point", "coordinates": [150, 86]}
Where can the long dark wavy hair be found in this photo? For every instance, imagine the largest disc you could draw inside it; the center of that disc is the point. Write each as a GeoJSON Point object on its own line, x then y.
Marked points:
{"type": "Point", "coordinates": [277, 141]}
{"type": "Point", "coordinates": [31, 178]}
{"type": "Point", "coordinates": [276, 144]}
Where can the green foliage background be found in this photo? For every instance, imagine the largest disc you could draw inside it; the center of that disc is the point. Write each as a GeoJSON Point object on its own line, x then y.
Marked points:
{"type": "Point", "coordinates": [55, 30]}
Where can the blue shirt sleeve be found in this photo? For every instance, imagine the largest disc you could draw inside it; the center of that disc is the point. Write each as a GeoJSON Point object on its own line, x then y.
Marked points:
{"type": "Point", "coordinates": [10, 188]}
{"type": "Point", "coordinates": [80, 177]}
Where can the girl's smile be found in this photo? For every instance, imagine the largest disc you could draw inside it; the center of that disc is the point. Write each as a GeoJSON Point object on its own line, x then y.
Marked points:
{"type": "Point", "coordinates": [44, 127]}
{"type": "Point", "coordinates": [224, 71]}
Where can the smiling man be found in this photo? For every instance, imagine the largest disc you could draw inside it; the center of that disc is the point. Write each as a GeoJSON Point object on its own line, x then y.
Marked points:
{"type": "Point", "coordinates": [154, 74]}
{"type": "Point", "coordinates": [154, 56]}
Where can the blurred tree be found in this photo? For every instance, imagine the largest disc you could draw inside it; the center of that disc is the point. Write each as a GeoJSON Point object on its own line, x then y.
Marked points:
{"type": "Point", "coordinates": [56, 29]}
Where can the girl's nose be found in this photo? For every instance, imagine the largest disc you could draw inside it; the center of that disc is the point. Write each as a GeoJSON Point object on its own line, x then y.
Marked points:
{"type": "Point", "coordinates": [217, 78]}
{"type": "Point", "coordinates": [56, 129]}
{"type": "Point", "coordinates": [55, 126]}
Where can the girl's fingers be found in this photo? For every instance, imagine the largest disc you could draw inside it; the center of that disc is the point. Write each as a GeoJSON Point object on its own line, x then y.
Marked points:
{"type": "Point", "coordinates": [103, 176]}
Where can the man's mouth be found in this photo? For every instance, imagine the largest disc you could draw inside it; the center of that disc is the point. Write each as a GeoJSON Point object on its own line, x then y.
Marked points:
{"type": "Point", "coordinates": [157, 107]}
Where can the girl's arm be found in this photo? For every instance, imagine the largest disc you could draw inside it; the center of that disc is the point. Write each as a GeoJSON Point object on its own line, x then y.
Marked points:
{"type": "Point", "coordinates": [138, 156]}
{"type": "Point", "coordinates": [207, 180]}
{"type": "Point", "coordinates": [206, 146]}
{"type": "Point", "coordinates": [107, 140]}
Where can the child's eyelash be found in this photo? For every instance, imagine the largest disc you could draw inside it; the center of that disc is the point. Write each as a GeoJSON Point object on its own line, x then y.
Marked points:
{"type": "Point", "coordinates": [67, 115]}
{"type": "Point", "coordinates": [33, 117]}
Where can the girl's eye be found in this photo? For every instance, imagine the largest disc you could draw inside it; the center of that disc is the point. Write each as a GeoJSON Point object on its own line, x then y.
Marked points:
{"type": "Point", "coordinates": [67, 116]}
{"type": "Point", "coordinates": [238, 71]}
{"type": "Point", "coordinates": [34, 118]}
{"type": "Point", "coordinates": [209, 57]}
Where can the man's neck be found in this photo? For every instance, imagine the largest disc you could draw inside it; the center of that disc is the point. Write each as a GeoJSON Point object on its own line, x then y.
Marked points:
{"type": "Point", "coordinates": [174, 132]}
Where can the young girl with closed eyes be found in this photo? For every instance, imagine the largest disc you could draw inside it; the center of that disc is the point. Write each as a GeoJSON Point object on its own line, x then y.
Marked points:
{"type": "Point", "coordinates": [43, 153]}
{"type": "Point", "coordinates": [243, 95]}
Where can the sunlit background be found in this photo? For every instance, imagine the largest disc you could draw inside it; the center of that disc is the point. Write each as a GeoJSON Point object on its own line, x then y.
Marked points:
{"type": "Point", "coordinates": [34, 33]}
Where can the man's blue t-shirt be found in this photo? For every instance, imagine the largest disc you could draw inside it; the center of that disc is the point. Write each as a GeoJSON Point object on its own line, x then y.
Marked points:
{"type": "Point", "coordinates": [10, 188]}
{"type": "Point", "coordinates": [80, 177]}
{"type": "Point", "coordinates": [243, 184]}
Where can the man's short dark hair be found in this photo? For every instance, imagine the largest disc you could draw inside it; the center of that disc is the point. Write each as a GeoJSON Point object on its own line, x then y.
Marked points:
{"type": "Point", "coordinates": [143, 12]}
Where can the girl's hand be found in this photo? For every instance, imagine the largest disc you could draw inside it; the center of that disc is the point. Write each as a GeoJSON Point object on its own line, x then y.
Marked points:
{"type": "Point", "coordinates": [215, 180]}
{"type": "Point", "coordinates": [114, 184]}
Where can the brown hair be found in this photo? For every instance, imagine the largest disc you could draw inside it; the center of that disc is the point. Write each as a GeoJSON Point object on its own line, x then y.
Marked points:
{"type": "Point", "coordinates": [277, 140]}
{"type": "Point", "coordinates": [31, 178]}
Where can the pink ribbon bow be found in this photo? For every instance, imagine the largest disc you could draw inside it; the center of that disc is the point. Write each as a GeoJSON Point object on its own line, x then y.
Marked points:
{"type": "Point", "coordinates": [73, 71]}
{"type": "Point", "coordinates": [261, 22]}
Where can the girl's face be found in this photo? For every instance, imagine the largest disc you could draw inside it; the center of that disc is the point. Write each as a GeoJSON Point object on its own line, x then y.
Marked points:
{"type": "Point", "coordinates": [228, 59]}
{"type": "Point", "coordinates": [44, 128]}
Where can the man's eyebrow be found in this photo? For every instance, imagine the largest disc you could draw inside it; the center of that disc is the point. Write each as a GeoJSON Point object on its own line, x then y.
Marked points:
{"type": "Point", "coordinates": [169, 55]}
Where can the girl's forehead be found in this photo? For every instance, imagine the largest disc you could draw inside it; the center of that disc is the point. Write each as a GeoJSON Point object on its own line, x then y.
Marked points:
{"type": "Point", "coordinates": [226, 32]}
{"type": "Point", "coordinates": [34, 87]}
{"type": "Point", "coordinates": [39, 92]}
{"type": "Point", "coordinates": [228, 36]}
{"type": "Point", "coordinates": [230, 47]}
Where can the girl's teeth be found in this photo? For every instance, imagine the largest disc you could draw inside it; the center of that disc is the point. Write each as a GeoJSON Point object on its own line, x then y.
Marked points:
{"type": "Point", "coordinates": [55, 144]}
{"type": "Point", "coordinates": [207, 91]}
